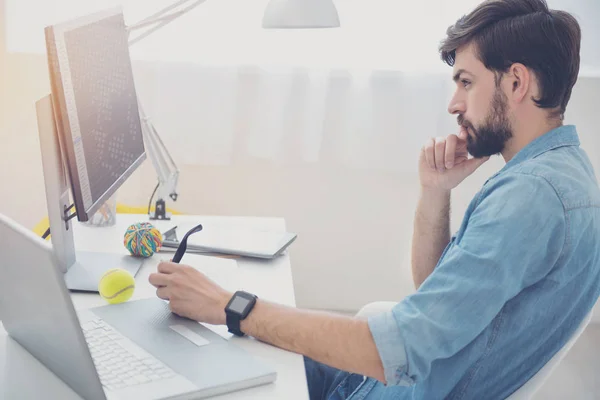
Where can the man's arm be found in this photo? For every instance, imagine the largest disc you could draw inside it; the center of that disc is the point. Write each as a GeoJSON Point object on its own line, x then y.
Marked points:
{"type": "Point", "coordinates": [341, 342]}
{"type": "Point", "coordinates": [338, 341]}
{"type": "Point", "coordinates": [476, 278]}
{"type": "Point", "coordinates": [431, 232]}
{"type": "Point", "coordinates": [443, 164]}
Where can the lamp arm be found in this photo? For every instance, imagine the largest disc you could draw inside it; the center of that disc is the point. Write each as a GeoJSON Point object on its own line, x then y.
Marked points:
{"type": "Point", "coordinates": [164, 166]}
{"type": "Point", "coordinates": [166, 169]}
{"type": "Point", "coordinates": [158, 15]}
{"type": "Point", "coordinates": [159, 19]}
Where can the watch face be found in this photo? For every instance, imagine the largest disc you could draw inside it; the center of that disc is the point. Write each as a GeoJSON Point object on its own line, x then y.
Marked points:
{"type": "Point", "coordinates": [239, 304]}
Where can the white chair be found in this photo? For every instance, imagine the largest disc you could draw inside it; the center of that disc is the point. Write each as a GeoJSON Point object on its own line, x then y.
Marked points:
{"type": "Point", "coordinates": [526, 391]}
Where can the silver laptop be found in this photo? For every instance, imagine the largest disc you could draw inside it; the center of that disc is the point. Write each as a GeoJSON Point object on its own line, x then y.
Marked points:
{"type": "Point", "coordinates": [134, 350]}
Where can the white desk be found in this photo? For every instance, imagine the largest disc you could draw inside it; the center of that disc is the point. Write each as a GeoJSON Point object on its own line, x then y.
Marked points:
{"type": "Point", "coordinates": [23, 377]}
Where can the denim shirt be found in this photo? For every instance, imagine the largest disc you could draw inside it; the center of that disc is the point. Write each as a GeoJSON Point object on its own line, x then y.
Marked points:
{"type": "Point", "coordinates": [510, 288]}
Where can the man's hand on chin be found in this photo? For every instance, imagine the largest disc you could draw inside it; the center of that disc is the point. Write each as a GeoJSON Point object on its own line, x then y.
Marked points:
{"type": "Point", "coordinates": [191, 294]}
{"type": "Point", "coordinates": [444, 162]}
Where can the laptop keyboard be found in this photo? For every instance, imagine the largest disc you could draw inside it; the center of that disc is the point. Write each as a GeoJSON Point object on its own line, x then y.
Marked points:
{"type": "Point", "coordinates": [119, 364]}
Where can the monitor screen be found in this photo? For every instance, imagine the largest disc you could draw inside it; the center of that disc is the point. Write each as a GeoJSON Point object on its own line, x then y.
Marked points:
{"type": "Point", "coordinates": [96, 107]}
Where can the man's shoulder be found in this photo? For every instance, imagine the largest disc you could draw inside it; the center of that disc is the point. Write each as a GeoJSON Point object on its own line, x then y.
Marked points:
{"type": "Point", "coordinates": [566, 171]}
{"type": "Point", "coordinates": [515, 205]}
{"type": "Point", "coordinates": [522, 182]}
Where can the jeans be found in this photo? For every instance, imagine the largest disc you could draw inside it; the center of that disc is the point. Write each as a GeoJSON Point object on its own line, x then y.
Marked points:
{"type": "Point", "coordinates": [327, 383]}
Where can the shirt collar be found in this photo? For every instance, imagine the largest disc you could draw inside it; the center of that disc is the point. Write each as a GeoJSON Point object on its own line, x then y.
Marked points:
{"type": "Point", "coordinates": [565, 135]}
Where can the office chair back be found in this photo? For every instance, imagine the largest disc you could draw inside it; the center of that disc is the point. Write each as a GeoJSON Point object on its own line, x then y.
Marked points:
{"type": "Point", "coordinates": [530, 387]}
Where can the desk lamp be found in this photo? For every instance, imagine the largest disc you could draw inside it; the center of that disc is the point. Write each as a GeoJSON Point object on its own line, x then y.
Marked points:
{"type": "Point", "coordinates": [279, 14]}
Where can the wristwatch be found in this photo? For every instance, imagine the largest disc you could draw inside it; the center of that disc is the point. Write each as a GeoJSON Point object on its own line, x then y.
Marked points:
{"type": "Point", "coordinates": [237, 310]}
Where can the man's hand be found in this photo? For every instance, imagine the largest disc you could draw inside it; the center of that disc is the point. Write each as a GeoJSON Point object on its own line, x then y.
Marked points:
{"type": "Point", "coordinates": [444, 162]}
{"type": "Point", "coordinates": [190, 293]}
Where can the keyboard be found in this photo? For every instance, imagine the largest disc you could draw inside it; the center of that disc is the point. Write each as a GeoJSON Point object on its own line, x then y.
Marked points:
{"type": "Point", "coordinates": [119, 362]}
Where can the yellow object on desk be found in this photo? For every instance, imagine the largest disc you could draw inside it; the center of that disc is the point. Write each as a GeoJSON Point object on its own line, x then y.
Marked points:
{"type": "Point", "coordinates": [116, 286]}
{"type": "Point", "coordinates": [125, 209]}
{"type": "Point", "coordinates": [41, 226]}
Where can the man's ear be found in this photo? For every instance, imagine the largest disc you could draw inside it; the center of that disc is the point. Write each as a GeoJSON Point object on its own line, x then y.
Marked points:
{"type": "Point", "coordinates": [519, 79]}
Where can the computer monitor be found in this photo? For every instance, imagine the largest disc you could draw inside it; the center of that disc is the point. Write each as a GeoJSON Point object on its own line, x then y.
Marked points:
{"type": "Point", "coordinates": [90, 128]}
{"type": "Point", "coordinates": [95, 106]}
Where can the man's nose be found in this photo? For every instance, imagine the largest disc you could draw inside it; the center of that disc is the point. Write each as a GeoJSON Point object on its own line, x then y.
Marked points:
{"type": "Point", "coordinates": [456, 106]}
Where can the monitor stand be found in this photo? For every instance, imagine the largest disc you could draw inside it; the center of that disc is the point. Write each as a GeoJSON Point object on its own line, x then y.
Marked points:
{"type": "Point", "coordinates": [85, 273]}
{"type": "Point", "coordinates": [82, 270]}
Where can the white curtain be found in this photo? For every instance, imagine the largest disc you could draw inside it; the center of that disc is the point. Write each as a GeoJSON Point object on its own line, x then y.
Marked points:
{"type": "Point", "coordinates": [220, 116]}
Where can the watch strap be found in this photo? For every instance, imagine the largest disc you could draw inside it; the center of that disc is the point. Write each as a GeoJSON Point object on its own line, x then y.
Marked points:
{"type": "Point", "coordinates": [233, 324]}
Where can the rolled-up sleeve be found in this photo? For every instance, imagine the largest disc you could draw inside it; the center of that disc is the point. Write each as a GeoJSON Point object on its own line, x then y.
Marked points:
{"type": "Point", "coordinates": [511, 239]}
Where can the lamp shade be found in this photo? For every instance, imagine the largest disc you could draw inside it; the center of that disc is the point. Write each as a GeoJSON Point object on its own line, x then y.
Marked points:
{"type": "Point", "coordinates": [299, 14]}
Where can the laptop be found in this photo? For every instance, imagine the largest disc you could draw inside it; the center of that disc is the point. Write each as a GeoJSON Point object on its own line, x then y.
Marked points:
{"type": "Point", "coordinates": [230, 240]}
{"type": "Point", "coordinates": [133, 350]}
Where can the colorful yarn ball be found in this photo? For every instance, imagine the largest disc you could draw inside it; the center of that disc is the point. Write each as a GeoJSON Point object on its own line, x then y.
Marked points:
{"type": "Point", "coordinates": [142, 239]}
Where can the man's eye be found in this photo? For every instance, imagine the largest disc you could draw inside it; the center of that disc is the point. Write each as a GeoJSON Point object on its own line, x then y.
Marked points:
{"type": "Point", "coordinates": [465, 82]}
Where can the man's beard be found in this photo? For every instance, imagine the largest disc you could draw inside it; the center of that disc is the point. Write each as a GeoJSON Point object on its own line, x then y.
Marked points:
{"type": "Point", "coordinates": [491, 137]}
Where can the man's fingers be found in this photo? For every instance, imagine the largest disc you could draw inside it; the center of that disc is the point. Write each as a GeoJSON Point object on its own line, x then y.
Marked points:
{"type": "Point", "coordinates": [429, 154]}
{"type": "Point", "coordinates": [162, 293]}
{"type": "Point", "coordinates": [440, 152]}
{"type": "Point", "coordinates": [450, 150]}
{"type": "Point", "coordinates": [158, 280]}
{"type": "Point", "coordinates": [471, 165]}
{"type": "Point", "coordinates": [166, 267]}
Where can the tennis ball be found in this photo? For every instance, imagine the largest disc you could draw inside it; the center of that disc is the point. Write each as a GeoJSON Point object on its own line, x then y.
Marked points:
{"type": "Point", "coordinates": [116, 286]}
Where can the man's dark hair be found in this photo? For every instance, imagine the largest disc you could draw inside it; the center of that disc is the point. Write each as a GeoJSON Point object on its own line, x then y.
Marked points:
{"type": "Point", "coordinates": [505, 32]}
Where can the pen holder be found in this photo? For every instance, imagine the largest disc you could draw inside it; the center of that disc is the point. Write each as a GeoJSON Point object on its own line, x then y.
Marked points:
{"type": "Point", "coordinates": [106, 214]}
